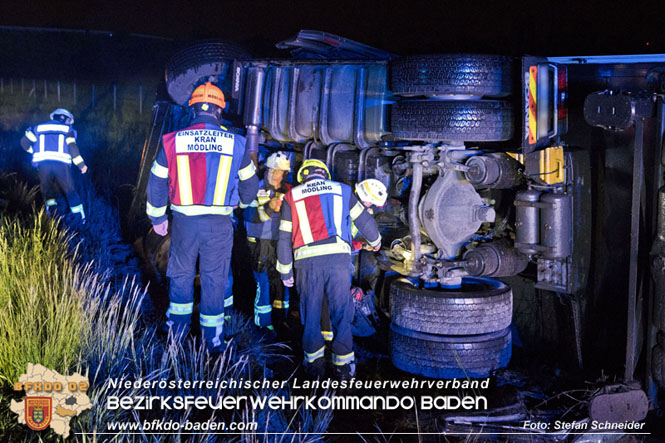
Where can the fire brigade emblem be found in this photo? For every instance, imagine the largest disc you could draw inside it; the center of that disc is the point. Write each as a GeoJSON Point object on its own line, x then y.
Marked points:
{"type": "Point", "coordinates": [38, 412]}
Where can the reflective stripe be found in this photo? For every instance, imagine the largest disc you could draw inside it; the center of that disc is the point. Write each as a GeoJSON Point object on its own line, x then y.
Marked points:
{"type": "Point", "coordinates": [77, 160]}
{"type": "Point", "coordinates": [262, 214]}
{"type": "Point", "coordinates": [51, 155]}
{"type": "Point", "coordinates": [247, 172]}
{"type": "Point", "coordinates": [202, 210]}
{"type": "Point", "coordinates": [30, 151]}
{"type": "Point", "coordinates": [356, 211]}
{"type": "Point", "coordinates": [70, 140]}
{"type": "Point", "coordinates": [211, 321]}
{"type": "Point", "coordinates": [262, 200]}
{"type": "Point", "coordinates": [337, 213]}
{"type": "Point", "coordinates": [277, 304]}
{"type": "Point", "coordinates": [41, 142]}
{"type": "Point", "coordinates": [223, 172]}
{"type": "Point", "coordinates": [305, 229]}
{"type": "Point", "coordinates": [285, 304]}
{"type": "Point", "coordinates": [354, 230]}
{"type": "Point", "coordinates": [283, 269]}
{"type": "Point", "coordinates": [30, 136]}
{"type": "Point", "coordinates": [327, 335]}
{"type": "Point", "coordinates": [341, 360]}
{"type": "Point", "coordinates": [61, 143]}
{"type": "Point", "coordinates": [254, 204]}
{"type": "Point", "coordinates": [154, 211]}
{"type": "Point", "coordinates": [52, 127]}
{"type": "Point", "coordinates": [339, 247]}
{"type": "Point", "coordinates": [270, 327]}
{"type": "Point", "coordinates": [262, 309]}
{"type": "Point", "coordinates": [376, 242]}
{"type": "Point", "coordinates": [159, 170]}
{"type": "Point", "coordinates": [310, 358]}
{"type": "Point", "coordinates": [51, 202]}
{"type": "Point", "coordinates": [228, 301]}
{"type": "Point", "coordinates": [184, 180]}
{"type": "Point", "coordinates": [242, 205]}
{"type": "Point", "coordinates": [78, 209]}
{"type": "Point", "coordinates": [286, 226]}
{"type": "Point", "coordinates": [251, 239]}
{"type": "Point", "coordinates": [180, 308]}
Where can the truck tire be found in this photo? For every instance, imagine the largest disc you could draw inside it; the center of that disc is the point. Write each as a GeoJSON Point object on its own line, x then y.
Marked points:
{"type": "Point", "coordinates": [452, 74]}
{"type": "Point", "coordinates": [431, 120]}
{"type": "Point", "coordinates": [195, 63]}
{"type": "Point", "coordinates": [481, 306]}
{"type": "Point", "coordinates": [440, 356]}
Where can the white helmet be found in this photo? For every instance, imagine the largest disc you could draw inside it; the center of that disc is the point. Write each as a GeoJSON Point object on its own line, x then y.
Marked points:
{"type": "Point", "coordinates": [372, 191]}
{"type": "Point", "coordinates": [69, 118]}
{"type": "Point", "coordinates": [279, 160]}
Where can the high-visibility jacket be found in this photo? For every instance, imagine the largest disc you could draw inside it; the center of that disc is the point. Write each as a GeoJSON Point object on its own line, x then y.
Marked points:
{"type": "Point", "coordinates": [316, 221]}
{"type": "Point", "coordinates": [203, 169]}
{"type": "Point", "coordinates": [52, 141]}
{"type": "Point", "coordinates": [260, 220]}
{"type": "Point", "coordinates": [320, 210]}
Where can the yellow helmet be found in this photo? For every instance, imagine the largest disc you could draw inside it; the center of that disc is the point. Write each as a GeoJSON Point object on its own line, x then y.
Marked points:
{"type": "Point", "coordinates": [208, 93]}
{"type": "Point", "coordinates": [310, 167]}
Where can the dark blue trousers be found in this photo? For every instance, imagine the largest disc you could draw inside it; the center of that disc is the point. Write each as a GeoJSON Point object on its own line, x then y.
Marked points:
{"type": "Point", "coordinates": [210, 239]}
{"type": "Point", "coordinates": [330, 279]}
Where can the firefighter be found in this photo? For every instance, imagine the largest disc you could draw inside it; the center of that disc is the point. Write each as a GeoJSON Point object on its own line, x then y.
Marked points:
{"type": "Point", "coordinates": [53, 148]}
{"type": "Point", "coordinates": [262, 224]}
{"type": "Point", "coordinates": [204, 171]}
{"type": "Point", "coordinates": [315, 238]}
{"type": "Point", "coordinates": [371, 193]}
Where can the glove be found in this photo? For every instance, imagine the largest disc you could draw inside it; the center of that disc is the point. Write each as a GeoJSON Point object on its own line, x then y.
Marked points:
{"type": "Point", "coordinates": [84, 169]}
{"type": "Point", "coordinates": [275, 204]}
{"type": "Point", "coordinates": [162, 228]}
{"type": "Point", "coordinates": [288, 282]}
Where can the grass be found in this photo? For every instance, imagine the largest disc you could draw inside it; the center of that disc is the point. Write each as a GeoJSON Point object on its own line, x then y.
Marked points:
{"type": "Point", "coordinates": [70, 300]}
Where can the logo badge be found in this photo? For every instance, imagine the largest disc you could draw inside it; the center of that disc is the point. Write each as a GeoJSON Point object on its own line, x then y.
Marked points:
{"type": "Point", "coordinates": [38, 412]}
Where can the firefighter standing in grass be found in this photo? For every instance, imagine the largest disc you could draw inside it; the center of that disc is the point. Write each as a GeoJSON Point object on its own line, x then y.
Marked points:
{"type": "Point", "coordinates": [315, 238]}
{"type": "Point", "coordinates": [53, 148]}
{"type": "Point", "coordinates": [372, 194]}
{"type": "Point", "coordinates": [262, 224]}
{"type": "Point", "coordinates": [203, 170]}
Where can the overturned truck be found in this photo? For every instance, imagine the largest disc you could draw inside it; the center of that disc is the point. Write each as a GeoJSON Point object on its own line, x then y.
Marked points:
{"type": "Point", "coordinates": [528, 178]}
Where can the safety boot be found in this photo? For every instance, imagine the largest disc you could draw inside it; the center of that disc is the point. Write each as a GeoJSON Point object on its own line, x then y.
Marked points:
{"type": "Point", "coordinates": [344, 372]}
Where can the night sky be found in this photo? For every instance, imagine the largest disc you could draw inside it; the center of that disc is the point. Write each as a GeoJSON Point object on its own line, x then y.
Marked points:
{"type": "Point", "coordinates": [507, 27]}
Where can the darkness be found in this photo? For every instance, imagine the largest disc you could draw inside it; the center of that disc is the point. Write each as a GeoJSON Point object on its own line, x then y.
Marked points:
{"type": "Point", "coordinates": [403, 27]}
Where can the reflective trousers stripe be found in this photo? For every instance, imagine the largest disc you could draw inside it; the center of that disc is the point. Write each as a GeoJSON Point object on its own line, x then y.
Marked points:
{"type": "Point", "coordinates": [341, 360]}
{"type": "Point", "coordinates": [184, 180]}
{"type": "Point", "coordinates": [223, 172]}
{"type": "Point", "coordinates": [180, 308]}
{"type": "Point", "coordinates": [312, 357]}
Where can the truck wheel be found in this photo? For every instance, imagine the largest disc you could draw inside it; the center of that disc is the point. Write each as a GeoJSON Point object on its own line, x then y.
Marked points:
{"type": "Point", "coordinates": [440, 356]}
{"type": "Point", "coordinates": [480, 306]}
{"type": "Point", "coordinates": [446, 74]}
{"type": "Point", "coordinates": [196, 63]}
{"type": "Point", "coordinates": [431, 120]}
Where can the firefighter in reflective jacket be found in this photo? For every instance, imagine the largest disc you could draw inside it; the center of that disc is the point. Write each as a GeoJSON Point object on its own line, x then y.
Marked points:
{"type": "Point", "coordinates": [203, 170]}
{"type": "Point", "coordinates": [262, 223]}
{"type": "Point", "coordinates": [315, 237]}
{"type": "Point", "coordinates": [53, 148]}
